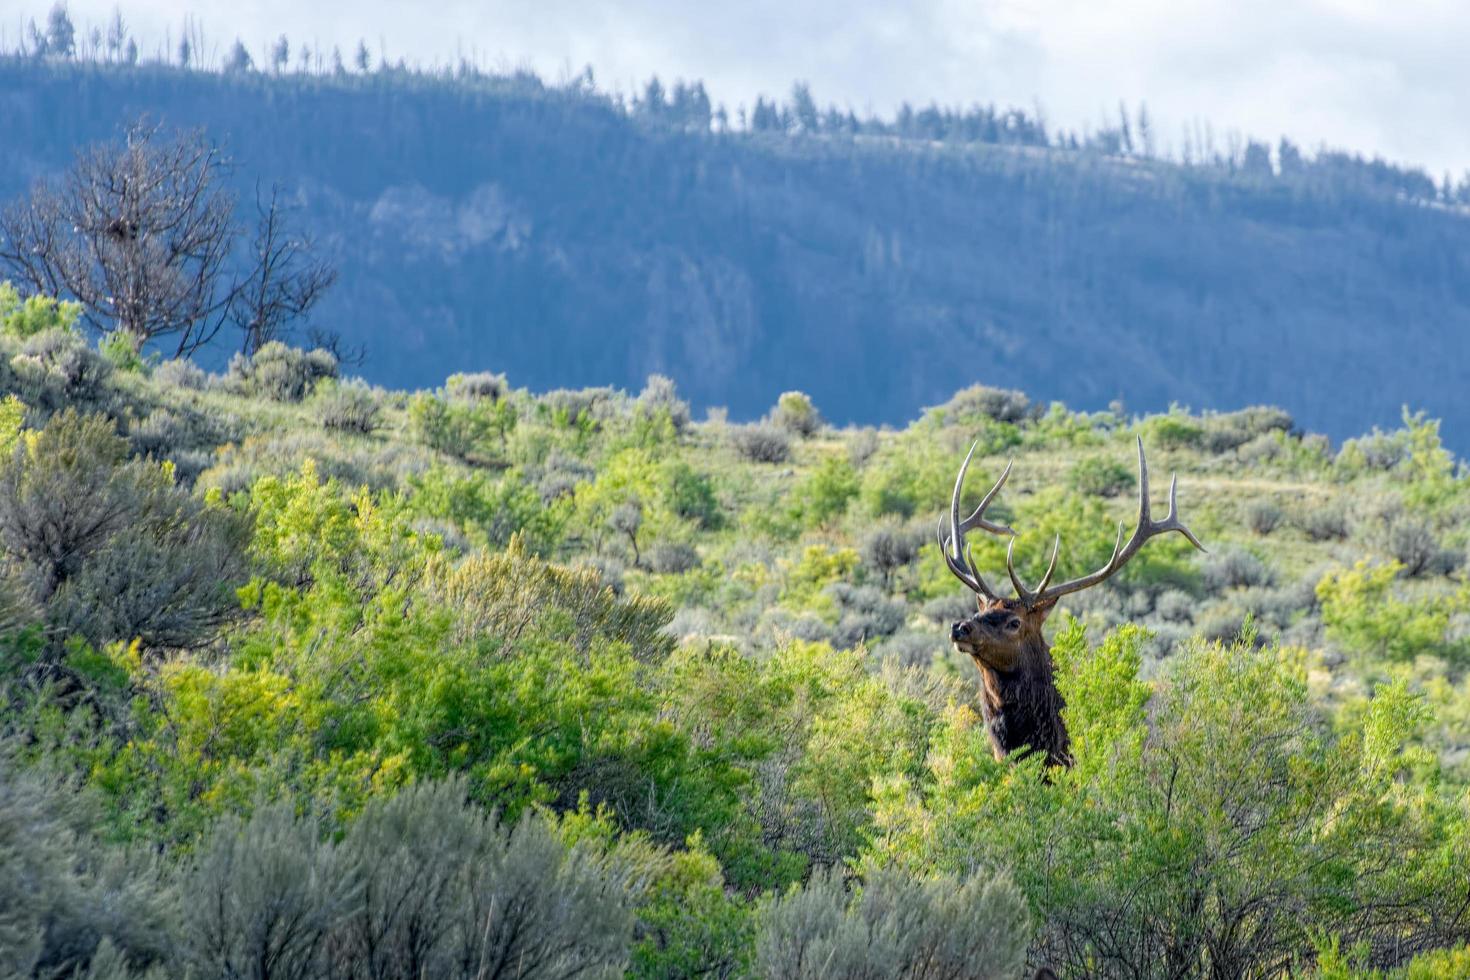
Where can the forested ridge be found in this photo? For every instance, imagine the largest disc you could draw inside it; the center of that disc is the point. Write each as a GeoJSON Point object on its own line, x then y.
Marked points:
{"type": "Point", "coordinates": [571, 236]}
{"type": "Point", "coordinates": [303, 677]}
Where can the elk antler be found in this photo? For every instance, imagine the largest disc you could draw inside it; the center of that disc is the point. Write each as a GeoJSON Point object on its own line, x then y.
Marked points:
{"type": "Point", "coordinates": [954, 547]}
{"type": "Point", "coordinates": [1147, 528]}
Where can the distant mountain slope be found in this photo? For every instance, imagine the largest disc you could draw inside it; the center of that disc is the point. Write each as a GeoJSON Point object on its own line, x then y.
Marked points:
{"type": "Point", "coordinates": [549, 235]}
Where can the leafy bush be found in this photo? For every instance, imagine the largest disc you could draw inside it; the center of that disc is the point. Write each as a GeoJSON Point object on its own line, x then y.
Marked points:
{"type": "Point", "coordinates": [24, 318]}
{"type": "Point", "coordinates": [1235, 568]}
{"type": "Point", "coordinates": [120, 348]}
{"type": "Point", "coordinates": [1377, 451]}
{"type": "Point", "coordinates": [1175, 430]}
{"type": "Point", "coordinates": [473, 431]}
{"type": "Point", "coordinates": [1263, 517]}
{"type": "Point", "coordinates": [690, 494]}
{"type": "Point", "coordinates": [1231, 430]}
{"type": "Point", "coordinates": [349, 407]}
{"type": "Point", "coordinates": [1324, 522]}
{"type": "Point", "coordinates": [890, 547]}
{"type": "Point", "coordinates": [1364, 616]}
{"type": "Point", "coordinates": [672, 558]}
{"type": "Point", "coordinates": [490, 510]}
{"type": "Point", "coordinates": [659, 396]}
{"type": "Point", "coordinates": [62, 893]}
{"type": "Point", "coordinates": [825, 494]}
{"type": "Point", "coordinates": [56, 369]}
{"type": "Point", "coordinates": [111, 548]}
{"type": "Point", "coordinates": [1102, 476]}
{"type": "Point", "coordinates": [862, 446]}
{"type": "Point", "coordinates": [762, 444]}
{"type": "Point", "coordinates": [1413, 544]}
{"type": "Point", "coordinates": [982, 401]}
{"type": "Point", "coordinates": [897, 927]}
{"type": "Point", "coordinates": [1198, 812]}
{"type": "Point", "coordinates": [585, 408]}
{"type": "Point", "coordinates": [281, 373]}
{"type": "Point", "coordinates": [183, 374]}
{"type": "Point", "coordinates": [478, 386]}
{"type": "Point", "coordinates": [795, 413]}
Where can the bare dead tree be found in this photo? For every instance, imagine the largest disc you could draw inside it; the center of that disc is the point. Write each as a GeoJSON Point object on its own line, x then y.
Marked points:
{"type": "Point", "coordinates": [140, 233]}
{"type": "Point", "coordinates": [144, 234]}
{"type": "Point", "coordinates": [285, 280]}
{"type": "Point", "coordinates": [347, 355]}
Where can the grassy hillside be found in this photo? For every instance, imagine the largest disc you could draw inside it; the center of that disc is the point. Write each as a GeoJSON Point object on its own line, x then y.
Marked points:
{"type": "Point", "coordinates": [567, 679]}
{"type": "Point", "coordinates": [569, 238]}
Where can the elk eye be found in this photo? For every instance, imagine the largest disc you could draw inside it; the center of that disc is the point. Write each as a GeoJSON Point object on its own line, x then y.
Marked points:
{"type": "Point", "coordinates": [1014, 624]}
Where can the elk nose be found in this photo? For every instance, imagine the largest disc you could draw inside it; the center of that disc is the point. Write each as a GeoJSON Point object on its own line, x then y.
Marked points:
{"type": "Point", "coordinates": [959, 630]}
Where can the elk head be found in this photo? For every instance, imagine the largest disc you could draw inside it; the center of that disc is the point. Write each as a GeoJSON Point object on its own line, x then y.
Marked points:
{"type": "Point", "coordinates": [1021, 704]}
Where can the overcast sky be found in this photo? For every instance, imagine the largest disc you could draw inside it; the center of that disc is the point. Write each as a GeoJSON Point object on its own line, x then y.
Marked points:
{"type": "Point", "coordinates": [1377, 76]}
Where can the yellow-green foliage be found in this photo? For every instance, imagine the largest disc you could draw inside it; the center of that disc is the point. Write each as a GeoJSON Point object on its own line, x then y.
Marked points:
{"type": "Point", "coordinates": [1362, 612]}
{"type": "Point", "coordinates": [708, 678]}
{"type": "Point", "coordinates": [22, 318]}
{"type": "Point", "coordinates": [12, 417]}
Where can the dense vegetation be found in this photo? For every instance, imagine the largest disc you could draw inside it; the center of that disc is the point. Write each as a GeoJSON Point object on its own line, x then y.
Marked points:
{"type": "Point", "coordinates": [493, 220]}
{"type": "Point", "coordinates": [306, 678]}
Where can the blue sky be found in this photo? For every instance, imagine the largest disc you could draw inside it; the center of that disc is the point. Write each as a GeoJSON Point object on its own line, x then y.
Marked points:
{"type": "Point", "coordinates": [1378, 76]}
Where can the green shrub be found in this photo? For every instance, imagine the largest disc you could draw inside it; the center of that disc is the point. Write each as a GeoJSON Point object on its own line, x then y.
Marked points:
{"type": "Point", "coordinates": [890, 547]}
{"type": "Point", "coordinates": [660, 397]}
{"type": "Point", "coordinates": [824, 494]}
{"type": "Point", "coordinates": [263, 896]}
{"type": "Point", "coordinates": [24, 318]}
{"type": "Point", "coordinates": [281, 373]}
{"type": "Point", "coordinates": [1324, 522]}
{"type": "Point", "coordinates": [691, 494]}
{"type": "Point", "coordinates": [1263, 517]}
{"type": "Point", "coordinates": [122, 351]}
{"type": "Point", "coordinates": [795, 413]}
{"type": "Point", "coordinates": [1102, 476]}
{"type": "Point", "coordinates": [1211, 817]}
{"type": "Point", "coordinates": [55, 369]}
{"type": "Point", "coordinates": [895, 927]}
{"type": "Point", "coordinates": [982, 401]}
{"type": "Point", "coordinates": [111, 548]}
{"type": "Point", "coordinates": [479, 386]}
{"type": "Point", "coordinates": [350, 406]}
{"type": "Point", "coordinates": [1176, 430]}
{"type": "Point", "coordinates": [474, 431]}
{"type": "Point", "coordinates": [762, 444]}
{"type": "Point", "coordinates": [183, 374]}
{"type": "Point", "coordinates": [1363, 614]}
{"type": "Point", "coordinates": [63, 894]}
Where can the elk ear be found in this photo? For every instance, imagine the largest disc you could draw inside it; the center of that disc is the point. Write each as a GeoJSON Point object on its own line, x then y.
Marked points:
{"type": "Point", "coordinates": [1043, 609]}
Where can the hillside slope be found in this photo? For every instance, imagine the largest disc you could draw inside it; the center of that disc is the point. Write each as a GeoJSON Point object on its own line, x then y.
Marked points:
{"type": "Point", "coordinates": [548, 234]}
{"type": "Point", "coordinates": [313, 648]}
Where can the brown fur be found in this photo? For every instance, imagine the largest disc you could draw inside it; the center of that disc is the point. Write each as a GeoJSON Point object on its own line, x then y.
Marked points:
{"type": "Point", "coordinates": [1020, 702]}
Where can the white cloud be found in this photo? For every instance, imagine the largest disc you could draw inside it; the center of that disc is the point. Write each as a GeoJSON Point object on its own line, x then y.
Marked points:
{"type": "Point", "coordinates": [1378, 76]}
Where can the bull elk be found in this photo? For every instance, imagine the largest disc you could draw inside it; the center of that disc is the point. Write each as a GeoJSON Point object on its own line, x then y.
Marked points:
{"type": "Point", "coordinates": [1020, 702]}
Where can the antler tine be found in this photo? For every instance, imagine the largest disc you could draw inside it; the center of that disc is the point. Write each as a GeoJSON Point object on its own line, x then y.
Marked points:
{"type": "Point", "coordinates": [953, 546]}
{"type": "Point", "coordinates": [1122, 553]}
{"type": "Point", "coordinates": [1025, 594]}
{"type": "Point", "coordinates": [1172, 522]}
{"type": "Point", "coordinates": [962, 566]}
{"type": "Point", "coordinates": [977, 518]}
{"type": "Point", "coordinates": [1056, 548]}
